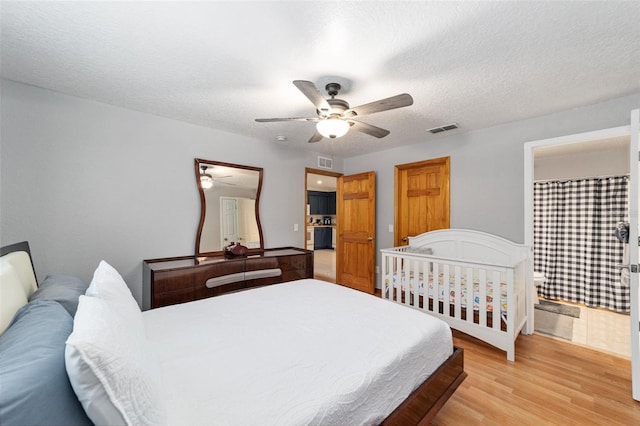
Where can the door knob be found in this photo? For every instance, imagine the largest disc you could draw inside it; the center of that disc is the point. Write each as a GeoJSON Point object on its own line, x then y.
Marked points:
{"type": "Point", "coordinates": [370, 239]}
{"type": "Point", "coordinates": [404, 240]}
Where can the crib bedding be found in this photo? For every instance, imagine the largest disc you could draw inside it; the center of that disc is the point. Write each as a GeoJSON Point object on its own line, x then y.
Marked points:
{"type": "Point", "coordinates": [284, 372]}
{"type": "Point", "coordinates": [438, 289]}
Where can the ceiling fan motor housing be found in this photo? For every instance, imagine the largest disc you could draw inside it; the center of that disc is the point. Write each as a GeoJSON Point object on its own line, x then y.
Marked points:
{"type": "Point", "coordinates": [338, 106]}
{"type": "Point", "coordinates": [332, 89]}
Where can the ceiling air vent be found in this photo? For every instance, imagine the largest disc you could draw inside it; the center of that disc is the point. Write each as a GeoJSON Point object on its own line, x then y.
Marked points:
{"type": "Point", "coordinates": [325, 163]}
{"type": "Point", "coordinates": [443, 128]}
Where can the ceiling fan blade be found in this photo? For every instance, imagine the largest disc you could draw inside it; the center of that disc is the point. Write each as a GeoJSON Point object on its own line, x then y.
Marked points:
{"type": "Point", "coordinates": [269, 120]}
{"type": "Point", "coordinates": [386, 104]}
{"type": "Point", "coordinates": [369, 129]}
{"type": "Point", "coordinates": [317, 137]}
{"type": "Point", "coordinates": [313, 94]}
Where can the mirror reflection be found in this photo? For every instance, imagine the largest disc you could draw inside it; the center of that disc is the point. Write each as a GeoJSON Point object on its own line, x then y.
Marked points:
{"type": "Point", "coordinates": [229, 196]}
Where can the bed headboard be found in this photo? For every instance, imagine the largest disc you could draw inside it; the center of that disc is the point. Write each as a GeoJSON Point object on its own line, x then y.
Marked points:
{"type": "Point", "coordinates": [17, 280]}
{"type": "Point", "coordinates": [472, 245]}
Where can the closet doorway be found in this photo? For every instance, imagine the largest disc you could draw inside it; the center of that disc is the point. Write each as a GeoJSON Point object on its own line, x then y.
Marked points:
{"type": "Point", "coordinates": [321, 221]}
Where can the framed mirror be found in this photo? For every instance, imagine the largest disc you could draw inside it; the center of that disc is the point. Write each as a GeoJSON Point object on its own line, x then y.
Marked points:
{"type": "Point", "coordinates": [229, 199]}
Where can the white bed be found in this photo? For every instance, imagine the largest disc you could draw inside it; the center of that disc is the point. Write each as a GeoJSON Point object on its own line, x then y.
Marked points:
{"type": "Point", "coordinates": [329, 354]}
{"type": "Point", "coordinates": [433, 275]}
{"type": "Point", "coordinates": [303, 352]}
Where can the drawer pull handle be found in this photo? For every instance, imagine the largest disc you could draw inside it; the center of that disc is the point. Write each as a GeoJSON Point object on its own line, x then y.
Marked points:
{"type": "Point", "coordinates": [224, 279]}
{"type": "Point", "coordinates": [242, 276]}
{"type": "Point", "coordinates": [263, 273]}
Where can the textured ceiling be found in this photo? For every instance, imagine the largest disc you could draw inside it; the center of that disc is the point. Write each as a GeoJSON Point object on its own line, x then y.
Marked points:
{"type": "Point", "coordinates": [223, 64]}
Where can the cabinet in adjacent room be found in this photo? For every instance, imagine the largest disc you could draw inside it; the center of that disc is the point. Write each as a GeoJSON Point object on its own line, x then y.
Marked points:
{"type": "Point", "coordinates": [322, 202]}
{"type": "Point", "coordinates": [331, 203]}
{"type": "Point", "coordinates": [313, 202]}
{"type": "Point", "coordinates": [322, 237]}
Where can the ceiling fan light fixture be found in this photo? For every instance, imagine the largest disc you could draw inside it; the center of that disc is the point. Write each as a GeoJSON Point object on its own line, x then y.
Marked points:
{"type": "Point", "coordinates": [206, 181]}
{"type": "Point", "coordinates": [334, 116]}
{"type": "Point", "coordinates": [332, 127]}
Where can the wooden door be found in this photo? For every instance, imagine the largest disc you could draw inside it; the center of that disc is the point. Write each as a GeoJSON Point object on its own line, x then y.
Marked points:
{"type": "Point", "coordinates": [355, 242]}
{"type": "Point", "coordinates": [422, 198]}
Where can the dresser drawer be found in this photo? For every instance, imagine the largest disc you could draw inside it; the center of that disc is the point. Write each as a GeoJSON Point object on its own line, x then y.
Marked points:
{"type": "Point", "coordinates": [173, 297]}
{"type": "Point", "coordinates": [293, 263]}
{"type": "Point", "coordinates": [172, 280]}
{"type": "Point", "coordinates": [203, 292]}
{"type": "Point", "coordinates": [294, 274]}
{"type": "Point", "coordinates": [259, 282]}
{"type": "Point", "coordinates": [204, 273]}
{"type": "Point", "coordinates": [258, 264]}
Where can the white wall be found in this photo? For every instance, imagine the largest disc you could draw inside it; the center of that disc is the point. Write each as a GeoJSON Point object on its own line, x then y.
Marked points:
{"type": "Point", "coordinates": [487, 167]}
{"type": "Point", "coordinates": [85, 181]}
{"type": "Point", "coordinates": [604, 162]}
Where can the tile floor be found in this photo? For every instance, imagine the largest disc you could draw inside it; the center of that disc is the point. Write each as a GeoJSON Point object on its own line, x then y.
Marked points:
{"type": "Point", "coordinates": [324, 265]}
{"type": "Point", "coordinates": [602, 329]}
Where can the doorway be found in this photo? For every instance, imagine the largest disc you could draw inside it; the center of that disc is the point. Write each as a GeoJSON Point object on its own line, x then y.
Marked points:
{"type": "Point", "coordinates": [321, 221]}
{"type": "Point", "coordinates": [580, 196]}
{"type": "Point", "coordinates": [602, 154]}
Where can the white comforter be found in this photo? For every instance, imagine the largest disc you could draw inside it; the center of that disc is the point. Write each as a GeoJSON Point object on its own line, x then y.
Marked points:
{"type": "Point", "coordinates": [303, 352]}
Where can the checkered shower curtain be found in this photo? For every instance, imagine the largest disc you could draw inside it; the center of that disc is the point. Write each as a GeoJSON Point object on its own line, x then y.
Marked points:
{"type": "Point", "coordinates": [574, 241]}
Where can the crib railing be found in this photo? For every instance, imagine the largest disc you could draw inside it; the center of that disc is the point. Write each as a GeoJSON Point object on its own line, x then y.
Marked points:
{"type": "Point", "coordinates": [482, 299]}
{"type": "Point", "coordinates": [461, 287]}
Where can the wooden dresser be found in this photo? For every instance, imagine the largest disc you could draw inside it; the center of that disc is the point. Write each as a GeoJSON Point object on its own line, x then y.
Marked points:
{"type": "Point", "coordinates": [183, 279]}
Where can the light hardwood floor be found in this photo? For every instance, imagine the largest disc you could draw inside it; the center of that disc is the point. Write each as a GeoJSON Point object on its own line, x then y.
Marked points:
{"type": "Point", "coordinates": [324, 265]}
{"type": "Point", "coordinates": [550, 383]}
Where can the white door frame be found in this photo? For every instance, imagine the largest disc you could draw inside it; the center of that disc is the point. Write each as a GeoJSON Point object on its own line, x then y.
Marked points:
{"type": "Point", "coordinates": [528, 224]}
{"type": "Point", "coordinates": [634, 258]}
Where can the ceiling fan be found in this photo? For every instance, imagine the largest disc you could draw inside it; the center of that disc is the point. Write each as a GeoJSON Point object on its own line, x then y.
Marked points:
{"type": "Point", "coordinates": [335, 117]}
{"type": "Point", "coordinates": [206, 179]}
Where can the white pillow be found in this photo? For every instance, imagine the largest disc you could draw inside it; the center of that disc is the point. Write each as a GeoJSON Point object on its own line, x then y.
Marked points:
{"type": "Point", "coordinates": [111, 369]}
{"type": "Point", "coordinates": [108, 284]}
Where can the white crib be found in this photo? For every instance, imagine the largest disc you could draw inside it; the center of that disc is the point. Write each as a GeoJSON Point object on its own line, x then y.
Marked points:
{"type": "Point", "coordinates": [416, 275]}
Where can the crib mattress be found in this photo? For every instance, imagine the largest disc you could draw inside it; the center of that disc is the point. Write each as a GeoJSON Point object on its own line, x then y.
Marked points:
{"type": "Point", "coordinates": [303, 352]}
{"type": "Point", "coordinates": [438, 290]}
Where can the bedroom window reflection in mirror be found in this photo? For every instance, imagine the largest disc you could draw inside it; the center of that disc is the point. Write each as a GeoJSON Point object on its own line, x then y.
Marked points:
{"type": "Point", "coordinates": [229, 199]}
